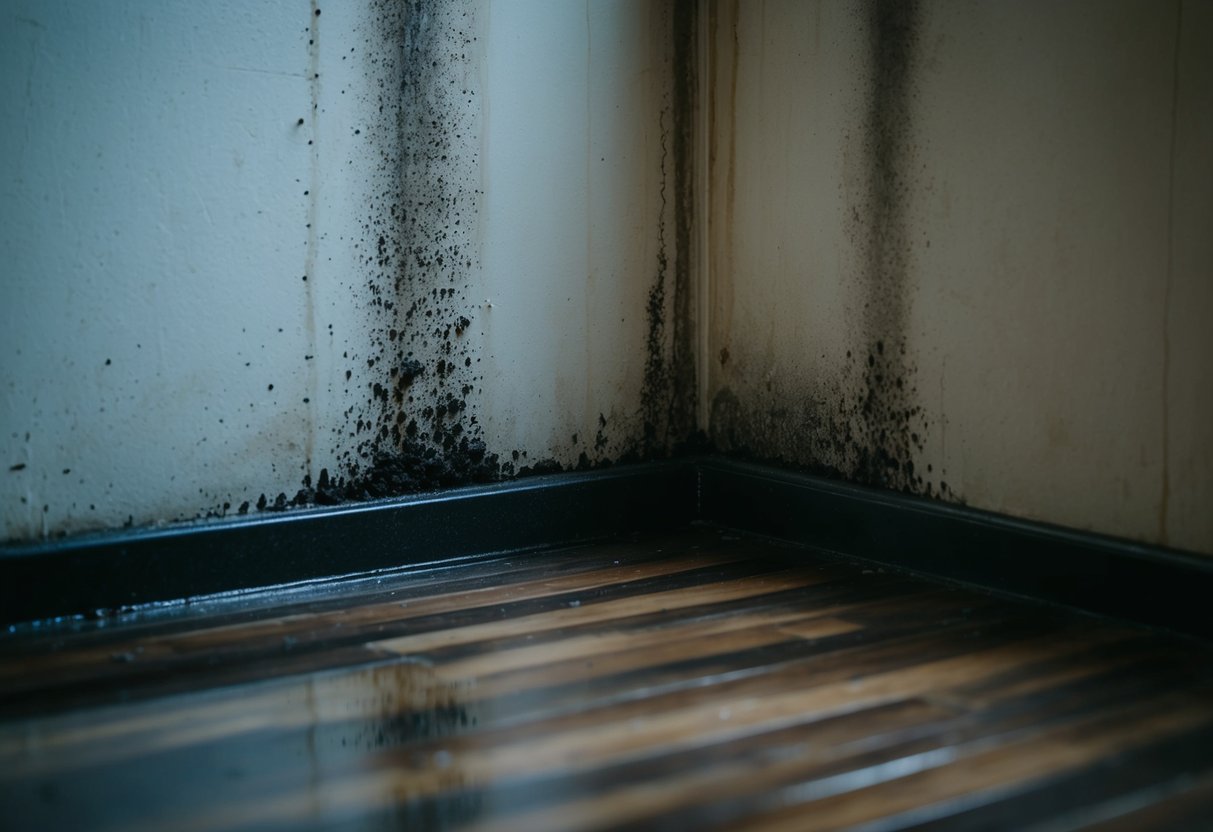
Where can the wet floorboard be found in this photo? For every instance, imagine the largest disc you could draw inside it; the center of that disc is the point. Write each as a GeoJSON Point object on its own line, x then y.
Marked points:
{"type": "Point", "coordinates": [699, 680]}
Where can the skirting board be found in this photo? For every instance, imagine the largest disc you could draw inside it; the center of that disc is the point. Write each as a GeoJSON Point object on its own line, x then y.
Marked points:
{"type": "Point", "coordinates": [100, 574]}
{"type": "Point", "coordinates": [1098, 574]}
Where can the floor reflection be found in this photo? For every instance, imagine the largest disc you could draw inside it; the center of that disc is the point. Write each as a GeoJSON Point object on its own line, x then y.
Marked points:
{"type": "Point", "coordinates": [318, 749]}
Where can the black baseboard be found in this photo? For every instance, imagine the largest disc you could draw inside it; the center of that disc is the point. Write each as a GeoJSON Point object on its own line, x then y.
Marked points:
{"type": "Point", "coordinates": [1103, 575]}
{"type": "Point", "coordinates": [133, 568]}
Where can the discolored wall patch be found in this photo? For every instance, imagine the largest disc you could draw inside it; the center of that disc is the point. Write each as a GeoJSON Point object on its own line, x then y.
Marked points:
{"type": "Point", "coordinates": [414, 379]}
{"type": "Point", "coordinates": [668, 397]}
{"type": "Point", "coordinates": [776, 394]}
{"type": "Point", "coordinates": [886, 423]}
{"type": "Point", "coordinates": [416, 426]}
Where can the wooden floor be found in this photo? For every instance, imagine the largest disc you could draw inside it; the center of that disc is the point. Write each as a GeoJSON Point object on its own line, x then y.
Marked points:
{"type": "Point", "coordinates": [694, 681]}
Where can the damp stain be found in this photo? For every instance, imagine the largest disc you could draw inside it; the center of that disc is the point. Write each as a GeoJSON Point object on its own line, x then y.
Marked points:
{"type": "Point", "coordinates": [416, 427]}
{"type": "Point", "coordinates": [668, 394]}
{"type": "Point", "coordinates": [886, 425]}
{"type": "Point", "coordinates": [411, 389]}
{"type": "Point", "coordinates": [861, 418]}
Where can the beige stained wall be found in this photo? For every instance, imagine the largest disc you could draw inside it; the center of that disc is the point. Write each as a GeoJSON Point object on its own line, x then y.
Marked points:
{"type": "Point", "coordinates": [966, 250]}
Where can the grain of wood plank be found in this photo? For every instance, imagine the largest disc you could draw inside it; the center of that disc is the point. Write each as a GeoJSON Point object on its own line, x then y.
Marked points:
{"type": "Point", "coordinates": [936, 777]}
{"type": "Point", "coordinates": [31, 671]}
{"type": "Point", "coordinates": [668, 602]}
{"type": "Point", "coordinates": [697, 681]}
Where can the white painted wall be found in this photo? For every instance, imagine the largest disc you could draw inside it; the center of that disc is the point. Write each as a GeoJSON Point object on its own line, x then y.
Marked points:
{"type": "Point", "coordinates": [152, 244]}
{"type": "Point", "coordinates": [162, 203]}
{"type": "Point", "coordinates": [576, 94]}
{"type": "Point", "coordinates": [1052, 277]}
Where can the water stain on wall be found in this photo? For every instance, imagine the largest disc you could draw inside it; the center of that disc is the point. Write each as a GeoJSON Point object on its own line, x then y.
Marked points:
{"type": "Point", "coordinates": [886, 424]}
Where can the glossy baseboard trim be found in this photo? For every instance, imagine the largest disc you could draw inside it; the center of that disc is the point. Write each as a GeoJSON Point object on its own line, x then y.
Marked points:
{"type": "Point", "coordinates": [107, 572]}
{"type": "Point", "coordinates": [1108, 576]}
{"type": "Point", "coordinates": [1103, 575]}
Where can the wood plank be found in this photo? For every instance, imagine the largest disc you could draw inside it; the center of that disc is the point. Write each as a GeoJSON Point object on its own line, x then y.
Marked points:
{"type": "Point", "coordinates": [625, 735]}
{"type": "Point", "coordinates": [30, 671]}
{"type": "Point", "coordinates": [865, 729]}
{"type": "Point", "coordinates": [923, 782]}
{"type": "Point", "coordinates": [388, 586]}
{"type": "Point", "coordinates": [166, 666]}
{"type": "Point", "coordinates": [273, 704]}
{"type": "Point", "coordinates": [577, 612]}
{"type": "Point", "coordinates": [1186, 803]}
{"type": "Point", "coordinates": [686, 790]}
{"type": "Point", "coordinates": [698, 682]}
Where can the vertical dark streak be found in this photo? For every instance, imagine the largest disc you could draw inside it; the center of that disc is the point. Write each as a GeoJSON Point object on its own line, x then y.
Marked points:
{"type": "Point", "coordinates": [1165, 495]}
{"type": "Point", "coordinates": [885, 447]}
{"type": "Point", "coordinates": [668, 403]}
{"type": "Point", "coordinates": [682, 375]}
{"type": "Point", "coordinates": [416, 429]}
{"type": "Point", "coordinates": [656, 379]}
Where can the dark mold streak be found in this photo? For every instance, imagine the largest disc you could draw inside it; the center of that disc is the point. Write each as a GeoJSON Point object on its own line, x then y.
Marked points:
{"type": "Point", "coordinates": [669, 389]}
{"type": "Point", "coordinates": [417, 428]}
{"type": "Point", "coordinates": [411, 425]}
{"type": "Point", "coordinates": [885, 414]}
{"type": "Point", "coordinates": [411, 422]}
{"type": "Point", "coordinates": [887, 426]}
{"type": "Point", "coordinates": [863, 425]}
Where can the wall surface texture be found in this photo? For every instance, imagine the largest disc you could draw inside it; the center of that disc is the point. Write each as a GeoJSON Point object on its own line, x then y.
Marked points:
{"type": "Point", "coordinates": [275, 252]}
{"type": "Point", "coordinates": [267, 254]}
{"type": "Point", "coordinates": [965, 249]}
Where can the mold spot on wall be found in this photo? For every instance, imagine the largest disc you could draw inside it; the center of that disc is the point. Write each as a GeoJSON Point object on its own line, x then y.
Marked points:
{"type": "Point", "coordinates": [859, 418]}
{"type": "Point", "coordinates": [882, 418]}
{"type": "Point", "coordinates": [412, 375]}
{"type": "Point", "coordinates": [885, 424]}
{"type": "Point", "coordinates": [416, 426]}
{"type": "Point", "coordinates": [411, 381]}
{"type": "Point", "coordinates": [668, 395]}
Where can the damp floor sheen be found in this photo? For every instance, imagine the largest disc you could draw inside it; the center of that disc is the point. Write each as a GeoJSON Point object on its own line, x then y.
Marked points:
{"type": "Point", "coordinates": [689, 681]}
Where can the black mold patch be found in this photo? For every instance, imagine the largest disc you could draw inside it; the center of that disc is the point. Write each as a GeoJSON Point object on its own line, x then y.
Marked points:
{"type": "Point", "coordinates": [416, 428]}
{"type": "Point", "coordinates": [413, 425]}
{"type": "Point", "coordinates": [411, 421]}
{"type": "Point", "coordinates": [669, 390]}
{"type": "Point", "coordinates": [860, 421]}
{"type": "Point", "coordinates": [886, 420]}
